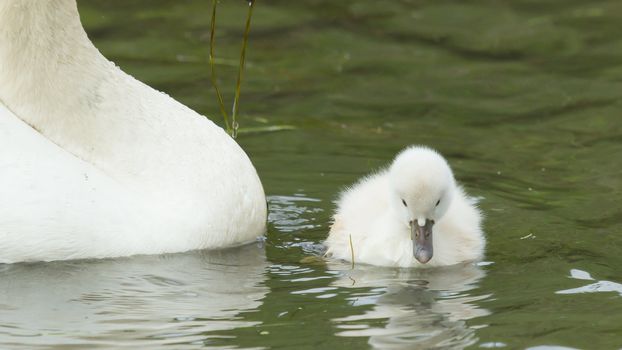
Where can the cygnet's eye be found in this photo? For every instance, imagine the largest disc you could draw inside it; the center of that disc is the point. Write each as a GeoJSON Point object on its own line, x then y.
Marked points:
{"type": "Point", "coordinates": [404, 202]}
{"type": "Point", "coordinates": [437, 203]}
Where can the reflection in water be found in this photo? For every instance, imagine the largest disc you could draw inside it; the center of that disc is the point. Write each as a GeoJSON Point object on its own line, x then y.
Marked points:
{"type": "Point", "coordinates": [138, 301]}
{"type": "Point", "coordinates": [550, 347]}
{"type": "Point", "coordinates": [423, 308]}
{"type": "Point", "coordinates": [599, 286]}
{"type": "Point", "coordinates": [285, 212]}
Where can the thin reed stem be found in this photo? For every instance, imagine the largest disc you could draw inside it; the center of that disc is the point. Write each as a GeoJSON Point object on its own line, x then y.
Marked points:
{"type": "Point", "coordinates": [221, 104]}
{"type": "Point", "coordinates": [234, 123]}
{"type": "Point", "coordinates": [352, 251]}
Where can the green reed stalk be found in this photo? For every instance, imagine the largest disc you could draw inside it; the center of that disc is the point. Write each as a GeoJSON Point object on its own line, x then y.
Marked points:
{"type": "Point", "coordinates": [221, 104]}
{"type": "Point", "coordinates": [234, 123]}
{"type": "Point", "coordinates": [352, 252]}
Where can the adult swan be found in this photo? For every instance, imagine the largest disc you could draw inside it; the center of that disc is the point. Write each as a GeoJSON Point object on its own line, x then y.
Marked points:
{"type": "Point", "coordinates": [94, 163]}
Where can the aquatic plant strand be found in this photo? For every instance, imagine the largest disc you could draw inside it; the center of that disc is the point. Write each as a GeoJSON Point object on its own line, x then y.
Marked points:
{"type": "Point", "coordinates": [221, 104]}
{"type": "Point", "coordinates": [352, 251]}
{"type": "Point", "coordinates": [234, 123]}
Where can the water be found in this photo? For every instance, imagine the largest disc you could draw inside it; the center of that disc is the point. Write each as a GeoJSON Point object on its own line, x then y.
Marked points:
{"type": "Point", "coordinates": [523, 97]}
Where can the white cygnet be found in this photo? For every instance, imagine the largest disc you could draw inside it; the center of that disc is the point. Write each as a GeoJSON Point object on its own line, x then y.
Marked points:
{"type": "Point", "coordinates": [411, 214]}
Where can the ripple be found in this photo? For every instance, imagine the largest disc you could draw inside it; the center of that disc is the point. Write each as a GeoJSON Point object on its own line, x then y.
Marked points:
{"type": "Point", "coordinates": [597, 287]}
{"type": "Point", "coordinates": [314, 290]}
{"type": "Point", "coordinates": [293, 213]}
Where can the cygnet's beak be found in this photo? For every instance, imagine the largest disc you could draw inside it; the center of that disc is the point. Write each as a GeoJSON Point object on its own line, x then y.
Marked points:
{"type": "Point", "coordinates": [422, 240]}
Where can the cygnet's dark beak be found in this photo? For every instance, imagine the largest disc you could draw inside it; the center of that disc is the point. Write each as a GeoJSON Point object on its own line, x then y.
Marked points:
{"type": "Point", "coordinates": [422, 240]}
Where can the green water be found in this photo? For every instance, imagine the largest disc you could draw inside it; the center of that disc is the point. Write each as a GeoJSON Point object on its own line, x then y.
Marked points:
{"type": "Point", "coordinates": [523, 98]}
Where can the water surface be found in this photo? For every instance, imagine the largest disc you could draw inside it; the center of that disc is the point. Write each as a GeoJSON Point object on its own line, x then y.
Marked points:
{"type": "Point", "coordinates": [522, 96]}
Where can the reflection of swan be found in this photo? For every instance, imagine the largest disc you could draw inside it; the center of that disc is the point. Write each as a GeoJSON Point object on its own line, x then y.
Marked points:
{"type": "Point", "coordinates": [140, 301]}
{"type": "Point", "coordinates": [94, 163]}
{"type": "Point", "coordinates": [422, 308]}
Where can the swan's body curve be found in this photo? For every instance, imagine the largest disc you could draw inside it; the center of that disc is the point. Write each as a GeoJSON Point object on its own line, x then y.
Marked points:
{"type": "Point", "coordinates": [94, 163]}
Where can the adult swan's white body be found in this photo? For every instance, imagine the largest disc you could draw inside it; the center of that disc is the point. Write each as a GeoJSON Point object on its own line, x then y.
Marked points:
{"type": "Point", "coordinates": [94, 163]}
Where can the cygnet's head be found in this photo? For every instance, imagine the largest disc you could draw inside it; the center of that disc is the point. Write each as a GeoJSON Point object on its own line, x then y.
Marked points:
{"type": "Point", "coordinates": [423, 186]}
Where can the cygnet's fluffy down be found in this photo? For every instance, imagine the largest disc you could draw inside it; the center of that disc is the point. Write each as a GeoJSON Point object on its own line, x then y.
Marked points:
{"type": "Point", "coordinates": [412, 214]}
